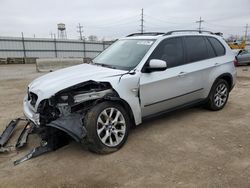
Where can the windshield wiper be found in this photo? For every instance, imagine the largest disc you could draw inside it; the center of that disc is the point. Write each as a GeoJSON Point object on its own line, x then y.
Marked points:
{"type": "Point", "coordinates": [105, 65]}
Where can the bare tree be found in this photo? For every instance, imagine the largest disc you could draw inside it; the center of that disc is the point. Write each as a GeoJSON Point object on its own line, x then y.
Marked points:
{"type": "Point", "coordinates": [92, 38]}
{"type": "Point", "coordinates": [233, 38]}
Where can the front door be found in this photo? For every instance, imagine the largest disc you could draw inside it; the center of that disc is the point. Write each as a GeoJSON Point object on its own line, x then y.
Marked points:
{"type": "Point", "coordinates": [163, 90]}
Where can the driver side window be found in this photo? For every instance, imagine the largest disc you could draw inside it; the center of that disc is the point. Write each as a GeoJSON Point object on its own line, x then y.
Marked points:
{"type": "Point", "coordinates": [171, 51]}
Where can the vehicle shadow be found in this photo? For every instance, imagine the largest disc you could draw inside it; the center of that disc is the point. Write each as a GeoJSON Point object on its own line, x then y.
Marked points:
{"type": "Point", "coordinates": [166, 117]}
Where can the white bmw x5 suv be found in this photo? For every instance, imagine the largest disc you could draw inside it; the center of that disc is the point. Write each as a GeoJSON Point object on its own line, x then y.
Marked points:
{"type": "Point", "coordinates": [139, 76]}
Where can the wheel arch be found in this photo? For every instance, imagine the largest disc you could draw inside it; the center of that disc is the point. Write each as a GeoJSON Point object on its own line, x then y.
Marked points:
{"type": "Point", "coordinates": [124, 104]}
{"type": "Point", "coordinates": [228, 78]}
{"type": "Point", "coordinates": [225, 76]}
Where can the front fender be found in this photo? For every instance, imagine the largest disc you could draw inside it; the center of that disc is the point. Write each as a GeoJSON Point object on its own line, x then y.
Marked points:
{"type": "Point", "coordinates": [127, 88]}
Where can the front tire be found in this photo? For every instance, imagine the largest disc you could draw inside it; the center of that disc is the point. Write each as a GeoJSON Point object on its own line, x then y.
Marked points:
{"type": "Point", "coordinates": [218, 95]}
{"type": "Point", "coordinates": [107, 126]}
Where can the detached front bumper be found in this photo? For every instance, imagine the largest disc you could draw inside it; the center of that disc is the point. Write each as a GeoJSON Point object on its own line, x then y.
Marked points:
{"type": "Point", "coordinates": [30, 112]}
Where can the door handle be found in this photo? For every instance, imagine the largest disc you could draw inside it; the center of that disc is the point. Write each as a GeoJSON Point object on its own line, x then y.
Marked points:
{"type": "Point", "coordinates": [216, 64]}
{"type": "Point", "coordinates": [182, 74]}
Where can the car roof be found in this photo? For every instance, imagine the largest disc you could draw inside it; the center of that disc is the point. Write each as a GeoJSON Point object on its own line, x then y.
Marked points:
{"type": "Point", "coordinates": [157, 35]}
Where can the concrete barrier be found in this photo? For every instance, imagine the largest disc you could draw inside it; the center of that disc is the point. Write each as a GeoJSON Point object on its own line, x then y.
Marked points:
{"type": "Point", "coordinates": [29, 60]}
{"type": "Point", "coordinates": [243, 71]}
{"type": "Point", "coordinates": [3, 61]}
{"type": "Point", "coordinates": [52, 64]}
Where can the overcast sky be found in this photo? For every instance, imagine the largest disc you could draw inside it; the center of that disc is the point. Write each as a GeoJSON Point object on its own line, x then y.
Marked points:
{"type": "Point", "coordinates": [116, 18]}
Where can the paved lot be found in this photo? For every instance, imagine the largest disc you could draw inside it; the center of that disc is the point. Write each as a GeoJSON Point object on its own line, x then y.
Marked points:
{"type": "Point", "coordinates": [189, 148]}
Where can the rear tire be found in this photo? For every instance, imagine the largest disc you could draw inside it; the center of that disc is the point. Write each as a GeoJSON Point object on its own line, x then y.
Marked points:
{"type": "Point", "coordinates": [107, 126]}
{"type": "Point", "coordinates": [218, 95]}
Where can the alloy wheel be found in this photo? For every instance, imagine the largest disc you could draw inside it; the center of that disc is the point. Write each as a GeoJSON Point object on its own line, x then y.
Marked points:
{"type": "Point", "coordinates": [111, 127]}
{"type": "Point", "coordinates": [221, 94]}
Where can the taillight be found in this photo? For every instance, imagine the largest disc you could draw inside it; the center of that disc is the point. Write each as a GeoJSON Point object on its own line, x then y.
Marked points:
{"type": "Point", "coordinates": [235, 62]}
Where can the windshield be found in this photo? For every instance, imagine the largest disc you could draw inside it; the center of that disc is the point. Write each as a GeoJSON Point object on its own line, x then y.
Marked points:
{"type": "Point", "coordinates": [124, 54]}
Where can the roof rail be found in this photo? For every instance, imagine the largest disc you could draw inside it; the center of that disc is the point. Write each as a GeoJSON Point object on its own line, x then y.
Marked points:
{"type": "Point", "coordinates": [219, 34]}
{"type": "Point", "coordinates": [147, 33]}
{"type": "Point", "coordinates": [180, 31]}
{"type": "Point", "coordinates": [170, 33]}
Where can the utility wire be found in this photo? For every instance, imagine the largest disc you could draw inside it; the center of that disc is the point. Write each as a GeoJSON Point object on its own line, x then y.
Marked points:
{"type": "Point", "coordinates": [160, 20]}
{"type": "Point", "coordinates": [117, 21]}
{"type": "Point", "coordinates": [131, 24]}
{"type": "Point", "coordinates": [163, 24]}
{"type": "Point", "coordinates": [169, 18]}
{"type": "Point", "coordinates": [226, 26]}
{"type": "Point", "coordinates": [115, 24]}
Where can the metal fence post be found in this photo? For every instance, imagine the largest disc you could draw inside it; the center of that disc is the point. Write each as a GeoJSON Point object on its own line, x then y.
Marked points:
{"type": "Point", "coordinates": [103, 44]}
{"type": "Point", "coordinates": [24, 50]}
{"type": "Point", "coordinates": [84, 48]}
{"type": "Point", "coordinates": [55, 45]}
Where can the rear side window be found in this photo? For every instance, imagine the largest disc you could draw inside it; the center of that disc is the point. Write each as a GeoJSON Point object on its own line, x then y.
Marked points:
{"type": "Point", "coordinates": [171, 51]}
{"type": "Point", "coordinates": [196, 48]}
{"type": "Point", "coordinates": [218, 47]}
{"type": "Point", "coordinates": [210, 50]}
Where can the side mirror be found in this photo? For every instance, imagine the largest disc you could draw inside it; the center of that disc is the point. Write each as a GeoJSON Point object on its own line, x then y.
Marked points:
{"type": "Point", "coordinates": [156, 65]}
{"type": "Point", "coordinates": [240, 52]}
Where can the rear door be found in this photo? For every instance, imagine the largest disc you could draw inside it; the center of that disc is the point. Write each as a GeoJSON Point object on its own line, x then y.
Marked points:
{"type": "Point", "coordinates": [216, 64]}
{"type": "Point", "coordinates": [200, 62]}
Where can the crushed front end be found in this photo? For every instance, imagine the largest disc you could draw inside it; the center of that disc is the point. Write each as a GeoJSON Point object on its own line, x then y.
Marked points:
{"type": "Point", "coordinates": [57, 119]}
{"type": "Point", "coordinates": [65, 109]}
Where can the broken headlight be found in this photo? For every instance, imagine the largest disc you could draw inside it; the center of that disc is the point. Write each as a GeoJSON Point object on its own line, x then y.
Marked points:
{"type": "Point", "coordinates": [64, 97]}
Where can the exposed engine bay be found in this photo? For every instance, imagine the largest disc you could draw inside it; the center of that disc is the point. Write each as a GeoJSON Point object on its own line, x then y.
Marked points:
{"type": "Point", "coordinates": [76, 99]}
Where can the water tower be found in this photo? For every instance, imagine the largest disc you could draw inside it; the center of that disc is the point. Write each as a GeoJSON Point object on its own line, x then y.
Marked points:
{"type": "Point", "coordinates": [61, 31]}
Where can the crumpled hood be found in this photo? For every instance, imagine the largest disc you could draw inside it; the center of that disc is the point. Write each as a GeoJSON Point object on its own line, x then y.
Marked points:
{"type": "Point", "coordinates": [51, 83]}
